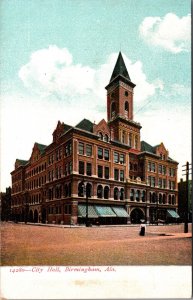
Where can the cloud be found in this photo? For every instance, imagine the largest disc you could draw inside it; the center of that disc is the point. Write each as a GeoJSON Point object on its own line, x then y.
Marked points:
{"type": "Point", "coordinates": [170, 32]}
{"type": "Point", "coordinates": [51, 73]}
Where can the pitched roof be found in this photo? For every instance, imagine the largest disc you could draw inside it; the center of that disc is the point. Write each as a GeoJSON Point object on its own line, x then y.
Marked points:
{"type": "Point", "coordinates": [120, 69]}
{"type": "Point", "coordinates": [41, 147]}
{"type": "Point", "coordinates": [85, 125]}
{"type": "Point", "coordinates": [21, 162]}
{"type": "Point", "coordinates": [147, 147]}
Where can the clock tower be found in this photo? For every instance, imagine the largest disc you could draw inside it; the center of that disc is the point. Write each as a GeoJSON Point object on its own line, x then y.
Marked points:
{"type": "Point", "coordinates": [120, 106]}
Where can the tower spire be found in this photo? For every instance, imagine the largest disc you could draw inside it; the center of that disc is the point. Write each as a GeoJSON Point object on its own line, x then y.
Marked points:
{"type": "Point", "coordinates": [120, 69]}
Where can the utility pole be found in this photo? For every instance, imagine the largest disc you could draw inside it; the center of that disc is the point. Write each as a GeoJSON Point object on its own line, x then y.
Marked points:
{"type": "Point", "coordinates": [187, 197]}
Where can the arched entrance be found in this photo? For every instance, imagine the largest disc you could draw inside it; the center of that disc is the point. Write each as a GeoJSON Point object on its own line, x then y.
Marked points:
{"type": "Point", "coordinates": [136, 216]}
{"type": "Point", "coordinates": [44, 216]}
{"type": "Point", "coordinates": [31, 217]}
{"type": "Point", "coordinates": [35, 216]}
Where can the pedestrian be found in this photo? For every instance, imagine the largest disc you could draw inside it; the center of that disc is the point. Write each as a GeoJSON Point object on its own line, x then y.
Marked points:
{"type": "Point", "coordinates": [142, 229]}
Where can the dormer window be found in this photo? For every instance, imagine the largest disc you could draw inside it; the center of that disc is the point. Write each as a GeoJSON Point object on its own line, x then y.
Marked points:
{"type": "Point", "coordinates": [106, 138]}
{"type": "Point", "coordinates": [100, 136]}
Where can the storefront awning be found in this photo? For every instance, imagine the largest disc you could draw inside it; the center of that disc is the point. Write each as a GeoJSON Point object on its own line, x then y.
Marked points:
{"type": "Point", "coordinates": [172, 213]}
{"type": "Point", "coordinates": [120, 212]}
{"type": "Point", "coordinates": [82, 211]}
{"type": "Point", "coordinates": [104, 211]}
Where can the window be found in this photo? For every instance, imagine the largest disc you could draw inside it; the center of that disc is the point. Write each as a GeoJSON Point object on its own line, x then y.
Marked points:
{"type": "Point", "coordinates": [113, 110]}
{"type": "Point", "coordinates": [122, 194]}
{"type": "Point", "coordinates": [106, 172]}
{"type": "Point", "coordinates": [81, 189]}
{"type": "Point", "coordinates": [88, 150]}
{"type": "Point", "coordinates": [122, 158]}
{"type": "Point", "coordinates": [106, 138]}
{"type": "Point", "coordinates": [81, 148]}
{"type": "Point", "coordinates": [68, 149]}
{"type": "Point", "coordinates": [137, 195]}
{"type": "Point", "coordinates": [81, 167]}
{"type": "Point", "coordinates": [136, 142]}
{"type": "Point", "coordinates": [106, 192]}
{"type": "Point", "coordinates": [106, 154]}
{"type": "Point", "coordinates": [100, 171]}
{"type": "Point", "coordinates": [123, 137]}
{"type": "Point", "coordinates": [100, 153]}
{"type": "Point", "coordinates": [100, 136]}
{"type": "Point", "coordinates": [116, 174]}
{"type": "Point", "coordinates": [116, 193]}
{"type": "Point", "coordinates": [121, 175]}
{"type": "Point", "coordinates": [160, 169]}
{"type": "Point", "coordinates": [89, 190]}
{"type": "Point", "coordinates": [116, 157]}
{"type": "Point", "coordinates": [143, 196]}
{"type": "Point", "coordinates": [89, 169]}
{"type": "Point", "coordinates": [99, 191]}
{"type": "Point", "coordinates": [160, 182]}
{"type": "Point", "coordinates": [130, 139]}
{"type": "Point", "coordinates": [70, 168]}
{"type": "Point", "coordinates": [126, 93]}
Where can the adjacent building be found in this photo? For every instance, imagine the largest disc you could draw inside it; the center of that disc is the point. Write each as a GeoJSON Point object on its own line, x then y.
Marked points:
{"type": "Point", "coordinates": [103, 169]}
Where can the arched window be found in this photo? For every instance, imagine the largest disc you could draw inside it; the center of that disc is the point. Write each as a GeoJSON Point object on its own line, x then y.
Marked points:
{"type": "Point", "coordinates": [88, 190]}
{"type": "Point", "coordinates": [153, 197]}
{"type": "Point", "coordinates": [113, 110]}
{"type": "Point", "coordinates": [143, 196]}
{"type": "Point", "coordinates": [116, 193]}
{"type": "Point", "coordinates": [138, 195]}
{"type": "Point", "coordinates": [164, 198]}
{"type": "Point", "coordinates": [170, 199]}
{"type": "Point", "coordinates": [130, 139]}
{"type": "Point", "coordinates": [106, 192]}
{"type": "Point", "coordinates": [106, 138]}
{"type": "Point", "coordinates": [123, 137]}
{"type": "Point", "coordinates": [126, 109]}
{"type": "Point", "coordinates": [69, 189]}
{"type": "Point", "coordinates": [81, 189]}
{"type": "Point", "coordinates": [100, 136]}
{"type": "Point", "coordinates": [66, 190]}
{"type": "Point", "coordinates": [132, 194]}
{"type": "Point", "coordinates": [99, 191]}
{"type": "Point", "coordinates": [136, 142]}
{"type": "Point", "coordinates": [160, 199]}
{"type": "Point", "coordinates": [173, 199]}
{"type": "Point", "coordinates": [122, 194]}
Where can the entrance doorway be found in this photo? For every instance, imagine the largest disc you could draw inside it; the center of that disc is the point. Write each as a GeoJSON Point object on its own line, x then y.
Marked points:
{"type": "Point", "coordinates": [136, 216]}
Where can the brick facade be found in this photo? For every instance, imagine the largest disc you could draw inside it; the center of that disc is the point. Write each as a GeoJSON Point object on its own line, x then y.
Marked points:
{"type": "Point", "coordinates": [108, 158]}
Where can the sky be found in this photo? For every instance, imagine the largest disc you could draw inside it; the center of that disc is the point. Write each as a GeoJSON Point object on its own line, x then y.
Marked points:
{"type": "Point", "coordinates": [57, 56]}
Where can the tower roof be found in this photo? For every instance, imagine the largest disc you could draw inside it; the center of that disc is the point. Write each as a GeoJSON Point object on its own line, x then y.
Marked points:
{"type": "Point", "coordinates": [120, 69]}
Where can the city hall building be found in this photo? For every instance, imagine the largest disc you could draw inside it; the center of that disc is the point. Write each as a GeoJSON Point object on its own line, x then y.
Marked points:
{"type": "Point", "coordinates": [102, 173]}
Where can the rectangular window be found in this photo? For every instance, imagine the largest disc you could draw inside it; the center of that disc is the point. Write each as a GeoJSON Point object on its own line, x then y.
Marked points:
{"type": "Point", "coordinates": [70, 167]}
{"type": "Point", "coordinates": [153, 181]}
{"type": "Point", "coordinates": [164, 183]}
{"type": "Point", "coordinates": [149, 166]}
{"type": "Point", "coordinates": [89, 169]}
{"type": "Point", "coordinates": [153, 167]}
{"type": "Point", "coordinates": [122, 158]}
{"type": "Point", "coordinates": [68, 149]}
{"type": "Point", "coordinates": [121, 175]}
{"type": "Point", "coordinates": [164, 170]}
{"type": "Point", "coordinates": [106, 172]}
{"type": "Point", "coordinates": [100, 171]}
{"type": "Point", "coordinates": [116, 174]}
{"type": "Point", "coordinates": [100, 153]}
{"type": "Point", "coordinates": [81, 167]}
{"type": "Point", "coordinates": [116, 157]}
{"type": "Point", "coordinates": [88, 150]}
{"type": "Point", "coordinates": [160, 169]}
{"type": "Point", "coordinates": [106, 154]}
{"type": "Point", "coordinates": [160, 183]}
{"type": "Point", "coordinates": [81, 148]}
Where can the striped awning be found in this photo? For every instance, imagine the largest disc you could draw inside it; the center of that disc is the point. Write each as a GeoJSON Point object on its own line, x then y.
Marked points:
{"type": "Point", "coordinates": [120, 211]}
{"type": "Point", "coordinates": [82, 211]}
{"type": "Point", "coordinates": [172, 213]}
{"type": "Point", "coordinates": [104, 211]}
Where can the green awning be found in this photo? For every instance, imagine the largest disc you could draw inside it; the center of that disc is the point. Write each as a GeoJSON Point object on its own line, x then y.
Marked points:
{"type": "Point", "coordinates": [104, 211]}
{"type": "Point", "coordinates": [120, 211]}
{"type": "Point", "coordinates": [82, 211]}
{"type": "Point", "coordinates": [172, 213]}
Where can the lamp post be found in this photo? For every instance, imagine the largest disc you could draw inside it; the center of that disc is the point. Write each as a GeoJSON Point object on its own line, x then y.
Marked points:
{"type": "Point", "coordinates": [87, 192]}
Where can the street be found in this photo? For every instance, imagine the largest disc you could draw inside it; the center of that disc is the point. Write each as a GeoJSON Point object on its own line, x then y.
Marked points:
{"type": "Point", "coordinates": [117, 245]}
